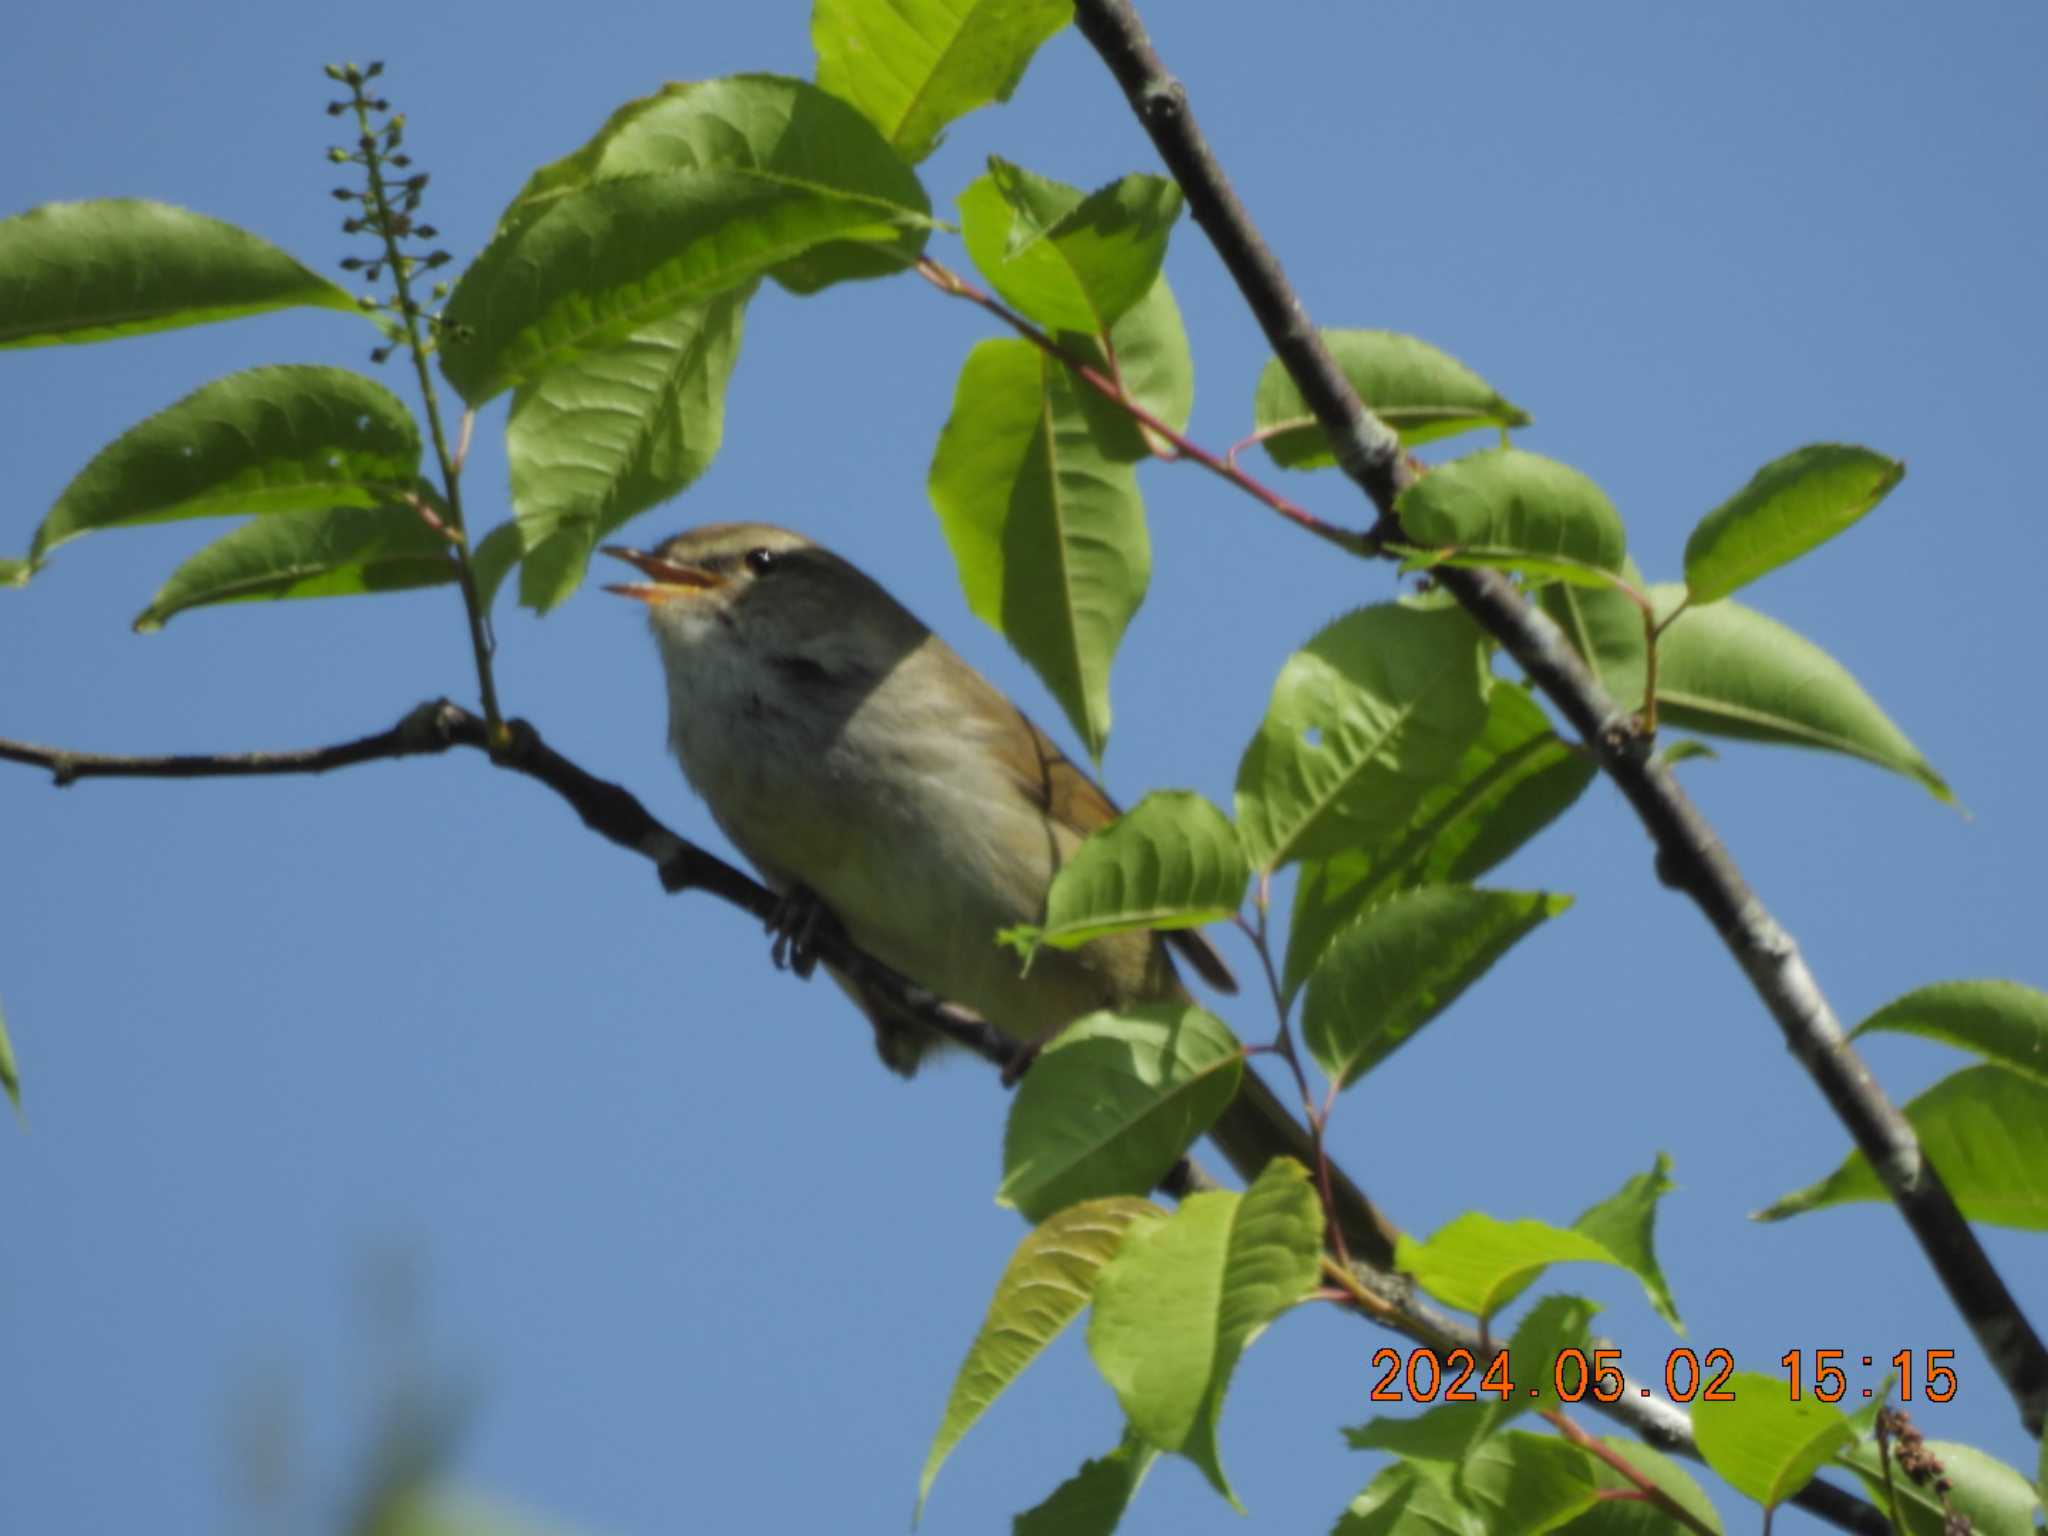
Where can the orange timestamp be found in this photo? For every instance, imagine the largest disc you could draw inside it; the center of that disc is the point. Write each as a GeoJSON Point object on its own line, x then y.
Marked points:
{"type": "Point", "coordinates": [1425, 1376]}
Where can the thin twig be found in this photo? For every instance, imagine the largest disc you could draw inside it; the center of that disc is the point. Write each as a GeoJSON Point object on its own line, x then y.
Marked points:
{"type": "Point", "coordinates": [1690, 856]}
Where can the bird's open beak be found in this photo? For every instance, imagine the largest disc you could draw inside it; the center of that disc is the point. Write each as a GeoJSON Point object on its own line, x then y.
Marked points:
{"type": "Point", "coordinates": [670, 578]}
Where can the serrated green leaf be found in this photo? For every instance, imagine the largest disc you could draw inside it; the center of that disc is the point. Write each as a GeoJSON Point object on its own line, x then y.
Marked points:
{"type": "Point", "coordinates": [1152, 363]}
{"type": "Point", "coordinates": [2002, 1021]}
{"type": "Point", "coordinates": [1182, 1300]}
{"type": "Point", "coordinates": [1479, 1264]}
{"type": "Point", "coordinates": [680, 197]}
{"type": "Point", "coordinates": [1409, 1500]}
{"type": "Point", "coordinates": [10, 1072]}
{"type": "Point", "coordinates": [1984, 1128]}
{"type": "Point", "coordinates": [94, 271]}
{"type": "Point", "coordinates": [1790, 506]}
{"type": "Point", "coordinates": [1522, 1484]}
{"type": "Point", "coordinates": [263, 441]}
{"type": "Point", "coordinates": [1366, 719]}
{"type": "Point", "coordinates": [1423, 394]}
{"type": "Point", "coordinates": [1608, 629]}
{"type": "Point", "coordinates": [1510, 784]}
{"type": "Point", "coordinates": [1049, 1279]}
{"type": "Point", "coordinates": [1068, 260]}
{"type": "Point", "coordinates": [600, 440]}
{"type": "Point", "coordinates": [1625, 1224]}
{"type": "Point", "coordinates": [1637, 1517]}
{"type": "Point", "coordinates": [1112, 1102]}
{"type": "Point", "coordinates": [322, 552]}
{"type": "Point", "coordinates": [1093, 1500]}
{"type": "Point", "coordinates": [913, 66]}
{"type": "Point", "coordinates": [1764, 1443]}
{"type": "Point", "coordinates": [1047, 529]}
{"type": "Point", "coordinates": [1402, 962]}
{"type": "Point", "coordinates": [1727, 670]}
{"type": "Point", "coordinates": [1516, 511]}
{"type": "Point", "coordinates": [1172, 861]}
{"type": "Point", "coordinates": [1994, 1498]}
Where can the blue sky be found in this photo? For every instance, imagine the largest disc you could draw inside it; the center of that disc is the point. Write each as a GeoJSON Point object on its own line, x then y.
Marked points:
{"type": "Point", "coordinates": [694, 1257]}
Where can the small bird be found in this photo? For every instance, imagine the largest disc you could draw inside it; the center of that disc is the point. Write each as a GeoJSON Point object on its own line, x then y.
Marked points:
{"type": "Point", "coordinates": [853, 757]}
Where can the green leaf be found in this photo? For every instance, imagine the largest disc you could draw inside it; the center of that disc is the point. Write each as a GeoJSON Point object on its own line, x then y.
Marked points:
{"type": "Point", "coordinates": [1518, 511]}
{"type": "Point", "coordinates": [1069, 261]}
{"type": "Point", "coordinates": [1365, 720]}
{"type": "Point", "coordinates": [1405, 1499]}
{"type": "Point", "coordinates": [1478, 1264]}
{"type": "Point", "coordinates": [116, 267]}
{"type": "Point", "coordinates": [1093, 1500]}
{"type": "Point", "coordinates": [264, 441]}
{"type": "Point", "coordinates": [1984, 1128]}
{"type": "Point", "coordinates": [1183, 1298]}
{"type": "Point", "coordinates": [1790, 506]}
{"type": "Point", "coordinates": [1048, 1281]}
{"type": "Point", "coordinates": [15, 573]}
{"type": "Point", "coordinates": [1403, 962]}
{"type": "Point", "coordinates": [680, 197]}
{"type": "Point", "coordinates": [1510, 784]}
{"type": "Point", "coordinates": [10, 1074]}
{"type": "Point", "coordinates": [1171, 861]}
{"type": "Point", "coordinates": [1994, 1498]}
{"type": "Point", "coordinates": [913, 66]}
{"type": "Point", "coordinates": [1154, 365]}
{"type": "Point", "coordinates": [493, 559]}
{"type": "Point", "coordinates": [1637, 1518]}
{"type": "Point", "coordinates": [1047, 529]}
{"type": "Point", "coordinates": [2002, 1021]}
{"type": "Point", "coordinates": [1728, 671]}
{"type": "Point", "coordinates": [1521, 1484]}
{"type": "Point", "coordinates": [1764, 1443]}
{"type": "Point", "coordinates": [322, 552]}
{"type": "Point", "coordinates": [605, 437]}
{"type": "Point", "coordinates": [1625, 1224]}
{"type": "Point", "coordinates": [1608, 629]}
{"type": "Point", "coordinates": [1421, 393]}
{"type": "Point", "coordinates": [1112, 1102]}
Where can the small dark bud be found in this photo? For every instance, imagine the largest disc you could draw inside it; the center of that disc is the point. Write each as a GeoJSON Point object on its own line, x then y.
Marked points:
{"type": "Point", "coordinates": [379, 104]}
{"type": "Point", "coordinates": [345, 194]}
{"type": "Point", "coordinates": [351, 75]}
{"type": "Point", "coordinates": [427, 232]}
{"type": "Point", "coordinates": [336, 108]}
{"type": "Point", "coordinates": [351, 263]}
{"type": "Point", "coordinates": [437, 259]}
{"type": "Point", "coordinates": [351, 226]}
{"type": "Point", "coordinates": [401, 161]}
{"type": "Point", "coordinates": [379, 354]}
{"type": "Point", "coordinates": [367, 144]}
{"type": "Point", "coordinates": [416, 182]}
{"type": "Point", "coordinates": [376, 68]}
{"type": "Point", "coordinates": [374, 271]}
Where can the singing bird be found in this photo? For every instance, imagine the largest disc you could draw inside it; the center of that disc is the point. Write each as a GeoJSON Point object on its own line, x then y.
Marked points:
{"type": "Point", "coordinates": [852, 755]}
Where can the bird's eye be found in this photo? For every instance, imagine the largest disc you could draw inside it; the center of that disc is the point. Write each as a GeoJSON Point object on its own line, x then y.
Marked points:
{"type": "Point", "coordinates": [760, 561]}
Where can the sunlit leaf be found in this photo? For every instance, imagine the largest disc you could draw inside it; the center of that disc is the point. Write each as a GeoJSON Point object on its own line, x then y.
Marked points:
{"type": "Point", "coordinates": [1608, 629]}
{"type": "Point", "coordinates": [1068, 260]}
{"type": "Point", "coordinates": [324, 552]}
{"type": "Point", "coordinates": [1049, 1279]}
{"type": "Point", "coordinates": [1790, 506]}
{"type": "Point", "coordinates": [1421, 393]}
{"type": "Point", "coordinates": [913, 66]}
{"type": "Point", "coordinates": [263, 441]}
{"type": "Point", "coordinates": [1767, 1445]}
{"type": "Point", "coordinates": [2002, 1021]}
{"type": "Point", "coordinates": [10, 1073]}
{"type": "Point", "coordinates": [603, 438]}
{"type": "Point", "coordinates": [679, 198]}
{"type": "Point", "coordinates": [1405, 1499]}
{"type": "Point", "coordinates": [1625, 1225]}
{"type": "Point", "coordinates": [1365, 720]}
{"type": "Point", "coordinates": [1112, 1103]}
{"type": "Point", "coordinates": [120, 266]}
{"type": "Point", "coordinates": [1729, 671]}
{"type": "Point", "coordinates": [1522, 1483]}
{"type": "Point", "coordinates": [1517, 511]}
{"type": "Point", "coordinates": [1402, 962]}
{"type": "Point", "coordinates": [1984, 1128]}
{"type": "Point", "coordinates": [1478, 1264]}
{"type": "Point", "coordinates": [1172, 861]}
{"type": "Point", "coordinates": [1093, 1500]}
{"type": "Point", "coordinates": [1640, 1518]}
{"type": "Point", "coordinates": [1183, 1298]}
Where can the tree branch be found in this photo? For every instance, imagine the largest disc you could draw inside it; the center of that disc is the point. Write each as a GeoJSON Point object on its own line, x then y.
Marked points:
{"type": "Point", "coordinates": [1689, 855]}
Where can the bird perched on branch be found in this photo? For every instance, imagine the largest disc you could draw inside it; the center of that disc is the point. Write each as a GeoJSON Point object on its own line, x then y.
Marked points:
{"type": "Point", "coordinates": [854, 758]}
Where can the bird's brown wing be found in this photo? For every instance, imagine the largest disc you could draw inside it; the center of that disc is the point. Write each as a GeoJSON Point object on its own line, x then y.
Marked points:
{"type": "Point", "coordinates": [1047, 777]}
